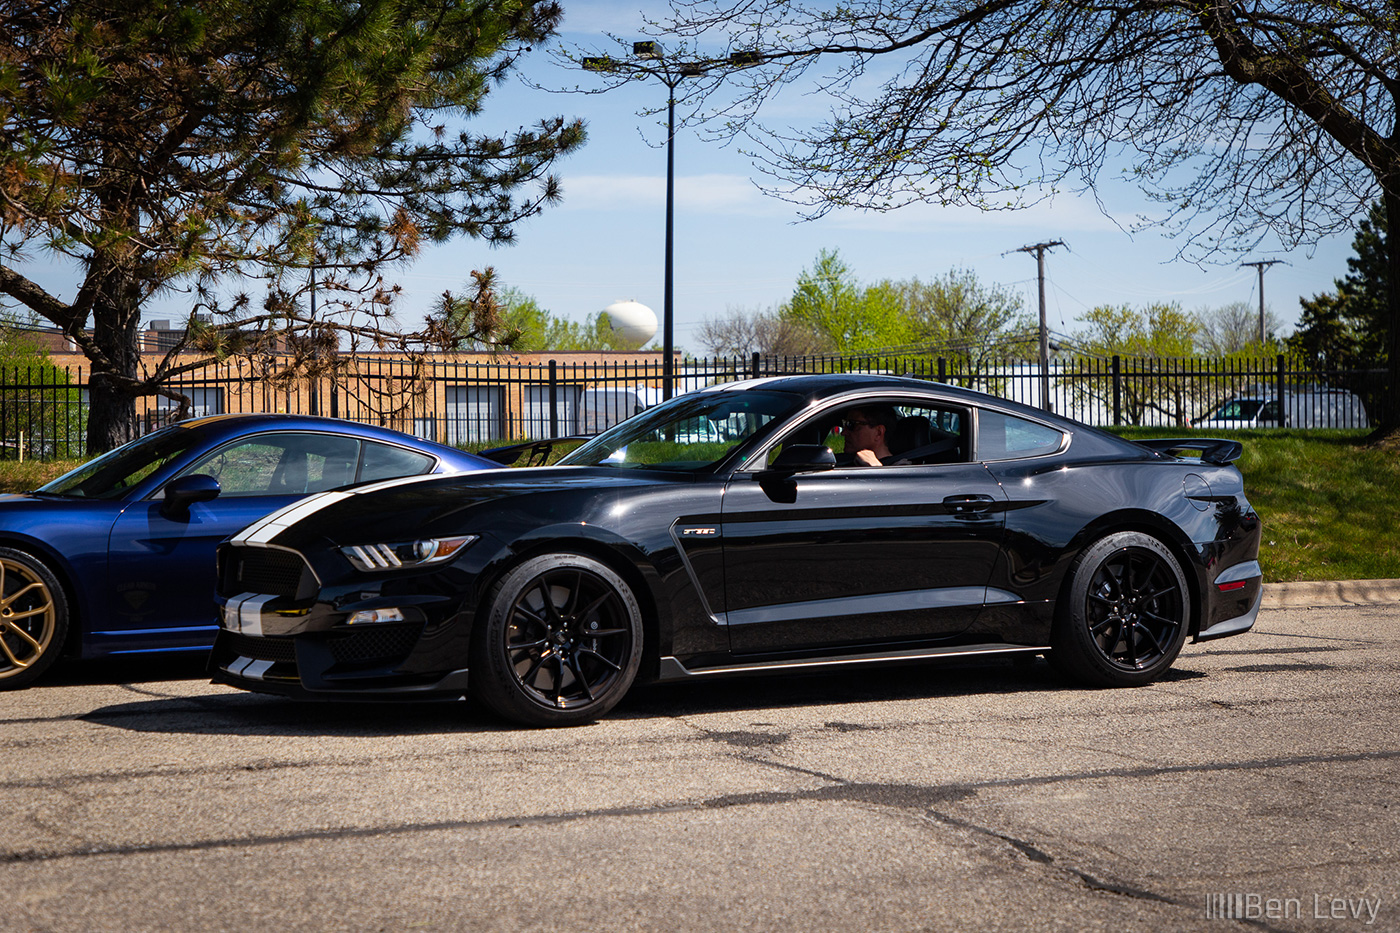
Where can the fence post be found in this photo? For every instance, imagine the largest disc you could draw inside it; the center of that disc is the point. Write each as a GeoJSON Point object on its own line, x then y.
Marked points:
{"type": "Point", "coordinates": [1282, 377]}
{"type": "Point", "coordinates": [553, 399]}
{"type": "Point", "coordinates": [756, 371]}
{"type": "Point", "coordinates": [942, 369]}
{"type": "Point", "coordinates": [1117, 391]}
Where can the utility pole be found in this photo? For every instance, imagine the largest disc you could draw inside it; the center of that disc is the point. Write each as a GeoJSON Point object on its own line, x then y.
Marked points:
{"type": "Point", "coordinates": [1039, 250]}
{"type": "Point", "coordinates": [1261, 265]}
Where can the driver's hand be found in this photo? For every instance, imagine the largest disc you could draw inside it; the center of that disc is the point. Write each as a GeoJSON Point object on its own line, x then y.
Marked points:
{"type": "Point", "coordinates": [867, 458]}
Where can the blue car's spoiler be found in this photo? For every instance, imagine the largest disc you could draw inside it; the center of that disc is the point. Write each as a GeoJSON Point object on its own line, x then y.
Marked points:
{"type": "Point", "coordinates": [1205, 449]}
{"type": "Point", "coordinates": [538, 451]}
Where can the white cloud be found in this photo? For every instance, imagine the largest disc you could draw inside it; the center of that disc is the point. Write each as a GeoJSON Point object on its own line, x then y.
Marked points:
{"type": "Point", "coordinates": [706, 194]}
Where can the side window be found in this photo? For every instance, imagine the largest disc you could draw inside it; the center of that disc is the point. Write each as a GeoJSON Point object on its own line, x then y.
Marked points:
{"type": "Point", "coordinates": [287, 464]}
{"type": "Point", "coordinates": [907, 432]}
{"type": "Point", "coordinates": [1005, 437]}
{"type": "Point", "coordinates": [383, 461]}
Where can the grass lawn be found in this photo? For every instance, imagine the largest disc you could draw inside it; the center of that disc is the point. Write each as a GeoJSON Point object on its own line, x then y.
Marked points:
{"type": "Point", "coordinates": [1330, 505]}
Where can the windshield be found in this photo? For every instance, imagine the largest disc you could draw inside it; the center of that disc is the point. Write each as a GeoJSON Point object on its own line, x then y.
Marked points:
{"type": "Point", "coordinates": [691, 433]}
{"type": "Point", "coordinates": [113, 473]}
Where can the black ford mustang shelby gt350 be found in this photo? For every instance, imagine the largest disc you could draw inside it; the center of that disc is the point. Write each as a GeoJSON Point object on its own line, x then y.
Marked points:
{"type": "Point", "coordinates": [727, 532]}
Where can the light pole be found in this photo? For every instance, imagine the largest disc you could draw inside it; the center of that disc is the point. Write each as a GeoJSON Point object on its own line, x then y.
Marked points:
{"type": "Point", "coordinates": [648, 61]}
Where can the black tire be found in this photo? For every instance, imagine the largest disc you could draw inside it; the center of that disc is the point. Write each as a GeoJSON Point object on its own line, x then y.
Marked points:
{"type": "Point", "coordinates": [1126, 613]}
{"type": "Point", "coordinates": [559, 644]}
{"type": "Point", "coordinates": [33, 619]}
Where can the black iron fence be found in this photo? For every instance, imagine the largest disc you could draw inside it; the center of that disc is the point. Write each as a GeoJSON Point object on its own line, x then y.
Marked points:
{"type": "Point", "coordinates": [43, 410]}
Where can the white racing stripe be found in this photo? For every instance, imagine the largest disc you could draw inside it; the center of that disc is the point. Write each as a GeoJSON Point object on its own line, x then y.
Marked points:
{"type": "Point", "coordinates": [246, 667]}
{"type": "Point", "coordinates": [261, 532]}
{"type": "Point", "coordinates": [243, 613]}
{"type": "Point", "coordinates": [256, 670]}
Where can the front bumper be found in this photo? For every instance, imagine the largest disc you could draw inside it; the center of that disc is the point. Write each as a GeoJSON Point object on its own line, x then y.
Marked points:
{"type": "Point", "coordinates": [375, 663]}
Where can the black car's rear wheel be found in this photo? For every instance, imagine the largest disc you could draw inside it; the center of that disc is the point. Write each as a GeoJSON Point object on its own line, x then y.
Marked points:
{"type": "Point", "coordinates": [560, 643]}
{"type": "Point", "coordinates": [33, 618]}
{"type": "Point", "coordinates": [1127, 613]}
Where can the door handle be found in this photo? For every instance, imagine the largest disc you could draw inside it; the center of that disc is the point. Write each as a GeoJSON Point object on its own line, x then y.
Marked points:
{"type": "Point", "coordinates": [967, 505]}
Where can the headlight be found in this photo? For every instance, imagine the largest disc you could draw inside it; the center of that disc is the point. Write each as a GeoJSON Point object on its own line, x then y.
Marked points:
{"type": "Point", "coordinates": [371, 557]}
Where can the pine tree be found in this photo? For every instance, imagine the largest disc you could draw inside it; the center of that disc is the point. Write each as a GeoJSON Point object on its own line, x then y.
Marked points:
{"type": "Point", "coordinates": [1346, 329]}
{"type": "Point", "coordinates": [155, 145]}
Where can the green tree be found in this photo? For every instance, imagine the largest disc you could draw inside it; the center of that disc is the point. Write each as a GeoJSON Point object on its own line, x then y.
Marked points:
{"type": "Point", "coordinates": [962, 317]}
{"type": "Point", "coordinates": [196, 144]}
{"type": "Point", "coordinates": [850, 318]}
{"type": "Point", "coordinates": [1147, 342]}
{"type": "Point", "coordinates": [1243, 119]}
{"type": "Point", "coordinates": [1346, 329]}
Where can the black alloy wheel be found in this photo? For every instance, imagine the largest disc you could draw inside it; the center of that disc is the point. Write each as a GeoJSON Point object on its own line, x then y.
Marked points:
{"type": "Point", "coordinates": [33, 618]}
{"type": "Point", "coordinates": [1127, 615]}
{"type": "Point", "coordinates": [561, 643]}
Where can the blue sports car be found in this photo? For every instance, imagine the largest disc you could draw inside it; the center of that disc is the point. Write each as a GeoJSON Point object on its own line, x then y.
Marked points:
{"type": "Point", "coordinates": [117, 556]}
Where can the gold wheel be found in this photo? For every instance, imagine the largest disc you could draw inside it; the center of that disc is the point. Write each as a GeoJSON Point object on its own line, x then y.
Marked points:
{"type": "Point", "coordinates": [32, 618]}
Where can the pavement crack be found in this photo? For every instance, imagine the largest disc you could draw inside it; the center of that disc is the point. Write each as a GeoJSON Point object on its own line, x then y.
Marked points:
{"type": "Point", "coordinates": [796, 769]}
{"type": "Point", "coordinates": [1038, 855]}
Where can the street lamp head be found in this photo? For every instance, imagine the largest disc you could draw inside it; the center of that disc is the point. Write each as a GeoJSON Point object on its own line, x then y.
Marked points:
{"type": "Point", "coordinates": [649, 50]}
{"type": "Point", "coordinates": [745, 59]}
{"type": "Point", "coordinates": [690, 69]}
{"type": "Point", "coordinates": [598, 63]}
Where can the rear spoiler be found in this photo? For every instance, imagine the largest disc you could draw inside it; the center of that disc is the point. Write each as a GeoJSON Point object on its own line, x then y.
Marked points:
{"type": "Point", "coordinates": [538, 451]}
{"type": "Point", "coordinates": [1205, 449]}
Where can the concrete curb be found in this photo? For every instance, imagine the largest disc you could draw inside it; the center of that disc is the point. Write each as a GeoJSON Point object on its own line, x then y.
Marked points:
{"type": "Point", "coordinates": [1331, 593]}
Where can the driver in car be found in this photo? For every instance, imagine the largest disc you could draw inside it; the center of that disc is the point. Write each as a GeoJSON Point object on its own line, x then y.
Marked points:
{"type": "Point", "coordinates": [867, 432]}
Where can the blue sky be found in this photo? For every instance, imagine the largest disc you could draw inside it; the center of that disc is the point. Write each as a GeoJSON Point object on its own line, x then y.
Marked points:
{"type": "Point", "coordinates": [736, 247]}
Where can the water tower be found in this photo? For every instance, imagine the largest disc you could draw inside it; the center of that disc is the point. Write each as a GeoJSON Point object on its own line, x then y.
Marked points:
{"type": "Point", "coordinates": [633, 322]}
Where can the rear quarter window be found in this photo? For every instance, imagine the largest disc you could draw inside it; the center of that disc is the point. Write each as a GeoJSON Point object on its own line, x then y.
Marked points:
{"type": "Point", "coordinates": [1006, 437]}
{"type": "Point", "coordinates": [384, 462]}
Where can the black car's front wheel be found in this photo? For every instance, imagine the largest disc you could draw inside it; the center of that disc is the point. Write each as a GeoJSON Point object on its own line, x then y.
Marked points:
{"type": "Point", "coordinates": [1127, 614]}
{"type": "Point", "coordinates": [560, 642]}
{"type": "Point", "coordinates": [33, 618]}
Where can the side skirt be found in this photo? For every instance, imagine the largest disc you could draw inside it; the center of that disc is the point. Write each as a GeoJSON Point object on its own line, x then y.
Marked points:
{"type": "Point", "coordinates": [672, 669]}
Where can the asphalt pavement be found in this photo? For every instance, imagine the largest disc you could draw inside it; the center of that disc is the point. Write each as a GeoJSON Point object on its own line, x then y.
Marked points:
{"type": "Point", "coordinates": [1254, 788]}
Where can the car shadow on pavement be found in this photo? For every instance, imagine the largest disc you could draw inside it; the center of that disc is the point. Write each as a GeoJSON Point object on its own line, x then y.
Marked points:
{"type": "Point", "coordinates": [255, 714]}
{"type": "Point", "coordinates": [913, 681]}
{"type": "Point", "coordinates": [132, 668]}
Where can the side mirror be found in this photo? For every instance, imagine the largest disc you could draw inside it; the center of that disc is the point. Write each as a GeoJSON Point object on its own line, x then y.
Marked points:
{"type": "Point", "coordinates": [184, 491]}
{"type": "Point", "coordinates": [800, 458]}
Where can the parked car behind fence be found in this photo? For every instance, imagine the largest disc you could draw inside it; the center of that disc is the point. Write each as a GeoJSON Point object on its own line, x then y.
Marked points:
{"type": "Point", "coordinates": [1302, 407]}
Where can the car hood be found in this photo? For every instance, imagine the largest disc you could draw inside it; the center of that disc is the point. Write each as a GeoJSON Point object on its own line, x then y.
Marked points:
{"type": "Point", "coordinates": [30, 501]}
{"type": "Point", "coordinates": [433, 505]}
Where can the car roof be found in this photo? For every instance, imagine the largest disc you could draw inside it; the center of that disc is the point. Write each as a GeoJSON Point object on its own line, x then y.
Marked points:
{"type": "Point", "coordinates": [234, 424]}
{"type": "Point", "coordinates": [829, 385]}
